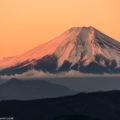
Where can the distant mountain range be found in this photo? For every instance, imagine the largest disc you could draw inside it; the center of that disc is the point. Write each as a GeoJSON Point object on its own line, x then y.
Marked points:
{"type": "Point", "coordinates": [16, 89]}
{"type": "Point", "coordinates": [98, 105]}
{"type": "Point", "coordinates": [83, 49]}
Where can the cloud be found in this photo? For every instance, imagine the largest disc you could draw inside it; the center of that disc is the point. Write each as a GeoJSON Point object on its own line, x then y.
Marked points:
{"type": "Point", "coordinates": [40, 74]}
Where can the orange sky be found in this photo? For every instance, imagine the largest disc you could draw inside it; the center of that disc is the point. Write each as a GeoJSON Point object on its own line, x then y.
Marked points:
{"type": "Point", "coordinates": [24, 24]}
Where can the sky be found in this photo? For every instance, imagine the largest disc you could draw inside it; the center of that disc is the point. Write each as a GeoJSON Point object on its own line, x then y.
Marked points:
{"type": "Point", "coordinates": [25, 24]}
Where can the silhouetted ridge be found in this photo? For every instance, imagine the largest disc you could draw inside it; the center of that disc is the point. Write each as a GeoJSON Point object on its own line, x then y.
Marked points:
{"type": "Point", "coordinates": [99, 105]}
{"type": "Point", "coordinates": [31, 89]}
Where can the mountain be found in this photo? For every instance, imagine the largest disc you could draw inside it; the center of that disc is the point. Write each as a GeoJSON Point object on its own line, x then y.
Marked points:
{"type": "Point", "coordinates": [84, 49]}
{"type": "Point", "coordinates": [16, 89]}
{"type": "Point", "coordinates": [99, 105]}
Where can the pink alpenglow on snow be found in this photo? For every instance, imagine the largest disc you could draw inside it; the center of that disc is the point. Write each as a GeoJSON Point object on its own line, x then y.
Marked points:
{"type": "Point", "coordinates": [78, 44]}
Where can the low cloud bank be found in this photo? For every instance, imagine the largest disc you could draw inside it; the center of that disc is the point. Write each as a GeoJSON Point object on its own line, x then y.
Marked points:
{"type": "Point", "coordinates": [40, 74]}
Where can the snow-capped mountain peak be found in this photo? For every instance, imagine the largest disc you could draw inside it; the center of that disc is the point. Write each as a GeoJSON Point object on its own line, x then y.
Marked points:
{"type": "Point", "coordinates": [77, 48]}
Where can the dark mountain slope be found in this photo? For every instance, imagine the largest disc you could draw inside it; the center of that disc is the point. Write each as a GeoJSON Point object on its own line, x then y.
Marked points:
{"type": "Point", "coordinates": [100, 105]}
{"type": "Point", "coordinates": [16, 89]}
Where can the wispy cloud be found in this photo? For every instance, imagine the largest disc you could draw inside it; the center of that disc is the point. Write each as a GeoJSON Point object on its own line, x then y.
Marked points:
{"type": "Point", "coordinates": [40, 74]}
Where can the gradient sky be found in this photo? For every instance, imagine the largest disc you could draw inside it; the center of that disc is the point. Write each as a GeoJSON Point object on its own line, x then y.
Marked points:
{"type": "Point", "coordinates": [25, 24]}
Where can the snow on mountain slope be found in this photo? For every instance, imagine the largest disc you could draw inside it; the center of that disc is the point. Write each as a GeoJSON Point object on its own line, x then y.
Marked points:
{"type": "Point", "coordinates": [78, 48]}
{"type": "Point", "coordinates": [87, 45]}
{"type": "Point", "coordinates": [42, 50]}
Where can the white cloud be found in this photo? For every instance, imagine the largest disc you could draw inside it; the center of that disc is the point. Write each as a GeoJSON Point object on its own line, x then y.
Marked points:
{"type": "Point", "coordinates": [40, 74]}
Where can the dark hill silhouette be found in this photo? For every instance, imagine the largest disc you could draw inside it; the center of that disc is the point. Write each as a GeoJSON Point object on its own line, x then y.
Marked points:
{"type": "Point", "coordinates": [31, 89]}
{"type": "Point", "coordinates": [100, 105]}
